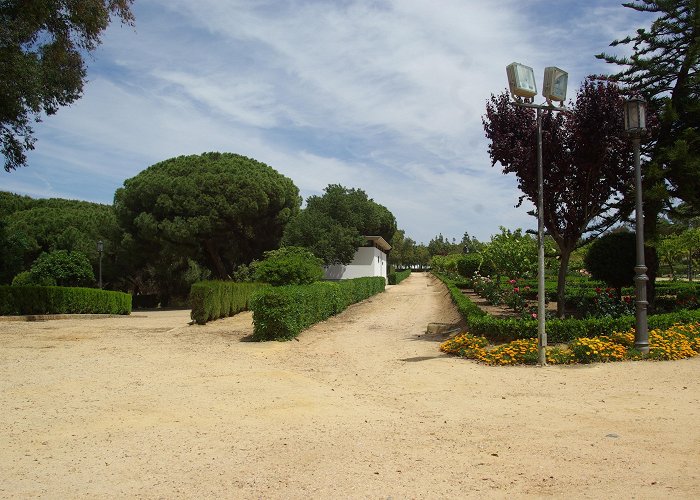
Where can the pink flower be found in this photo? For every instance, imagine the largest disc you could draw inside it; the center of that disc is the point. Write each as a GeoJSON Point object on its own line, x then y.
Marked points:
{"type": "Point", "coordinates": [516, 289]}
{"type": "Point", "coordinates": [512, 282]}
{"type": "Point", "coordinates": [534, 315]}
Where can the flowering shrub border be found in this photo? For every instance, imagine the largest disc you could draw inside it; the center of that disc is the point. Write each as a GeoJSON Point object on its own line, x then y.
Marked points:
{"type": "Point", "coordinates": [558, 330]}
{"type": "Point", "coordinates": [673, 343]}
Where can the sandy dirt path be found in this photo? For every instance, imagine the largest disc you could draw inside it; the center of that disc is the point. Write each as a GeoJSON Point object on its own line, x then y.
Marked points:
{"type": "Point", "coordinates": [361, 406]}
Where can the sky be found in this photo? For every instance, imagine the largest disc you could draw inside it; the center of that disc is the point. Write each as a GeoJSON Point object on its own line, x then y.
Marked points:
{"type": "Point", "coordinates": [382, 95]}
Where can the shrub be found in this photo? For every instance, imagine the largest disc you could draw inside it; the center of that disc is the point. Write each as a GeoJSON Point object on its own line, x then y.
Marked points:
{"type": "Point", "coordinates": [20, 300]}
{"type": "Point", "coordinates": [612, 257]}
{"type": "Point", "coordinates": [22, 279]}
{"type": "Point", "coordinates": [446, 263]}
{"type": "Point", "coordinates": [281, 313]}
{"type": "Point", "coordinates": [212, 300]}
{"type": "Point", "coordinates": [289, 266]}
{"type": "Point", "coordinates": [62, 268]}
{"type": "Point", "coordinates": [558, 330]}
{"type": "Point", "coordinates": [465, 306]}
{"type": "Point", "coordinates": [469, 264]}
{"type": "Point", "coordinates": [396, 277]}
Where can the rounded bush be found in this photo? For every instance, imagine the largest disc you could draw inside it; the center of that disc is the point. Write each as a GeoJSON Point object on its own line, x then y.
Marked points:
{"type": "Point", "coordinates": [62, 268]}
{"type": "Point", "coordinates": [469, 264]}
{"type": "Point", "coordinates": [611, 259]}
{"type": "Point", "coordinates": [289, 266]}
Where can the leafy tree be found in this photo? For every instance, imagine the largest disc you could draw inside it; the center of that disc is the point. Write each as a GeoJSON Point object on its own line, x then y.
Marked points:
{"type": "Point", "coordinates": [470, 244]}
{"type": "Point", "coordinates": [42, 44]}
{"type": "Point", "coordinates": [664, 68]}
{"type": "Point", "coordinates": [422, 256]}
{"type": "Point", "coordinates": [402, 249]}
{"type": "Point", "coordinates": [62, 268]}
{"type": "Point", "coordinates": [289, 266]}
{"type": "Point", "coordinates": [586, 156]}
{"type": "Point", "coordinates": [512, 254]}
{"type": "Point", "coordinates": [440, 245]}
{"type": "Point", "coordinates": [34, 226]}
{"type": "Point", "coordinates": [217, 209]}
{"type": "Point", "coordinates": [446, 263]}
{"type": "Point", "coordinates": [670, 250]}
{"type": "Point", "coordinates": [333, 226]}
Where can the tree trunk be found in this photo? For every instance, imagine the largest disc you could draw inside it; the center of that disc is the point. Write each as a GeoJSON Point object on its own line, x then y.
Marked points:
{"type": "Point", "coordinates": [215, 259]}
{"type": "Point", "coordinates": [561, 280]}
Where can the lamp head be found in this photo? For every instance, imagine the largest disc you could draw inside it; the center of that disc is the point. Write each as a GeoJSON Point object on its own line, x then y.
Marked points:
{"type": "Point", "coordinates": [635, 116]}
{"type": "Point", "coordinates": [521, 80]}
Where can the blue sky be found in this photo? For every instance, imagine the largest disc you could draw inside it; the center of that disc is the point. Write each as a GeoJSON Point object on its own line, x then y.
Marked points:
{"type": "Point", "coordinates": [382, 95]}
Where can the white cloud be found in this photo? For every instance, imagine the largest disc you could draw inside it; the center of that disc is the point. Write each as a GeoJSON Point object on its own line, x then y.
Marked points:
{"type": "Point", "coordinates": [383, 95]}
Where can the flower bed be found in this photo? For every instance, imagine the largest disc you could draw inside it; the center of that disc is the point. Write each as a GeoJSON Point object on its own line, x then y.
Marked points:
{"type": "Point", "coordinates": [675, 342]}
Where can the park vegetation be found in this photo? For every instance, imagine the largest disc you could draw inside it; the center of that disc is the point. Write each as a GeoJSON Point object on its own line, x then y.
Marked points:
{"type": "Point", "coordinates": [43, 45]}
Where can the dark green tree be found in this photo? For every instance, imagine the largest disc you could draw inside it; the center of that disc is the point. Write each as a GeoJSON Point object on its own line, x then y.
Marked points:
{"type": "Point", "coordinates": [403, 250]}
{"type": "Point", "coordinates": [34, 226]}
{"type": "Point", "coordinates": [62, 268]}
{"type": "Point", "coordinates": [664, 69]}
{"type": "Point", "coordinates": [217, 209]}
{"type": "Point", "coordinates": [612, 257]}
{"type": "Point", "coordinates": [439, 245]}
{"type": "Point", "coordinates": [333, 226]}
{"type": "Point", "coordinates": [42, 46]}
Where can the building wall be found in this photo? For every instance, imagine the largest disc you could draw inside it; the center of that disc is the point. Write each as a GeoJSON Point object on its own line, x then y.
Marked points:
{"type": "Point", "coordinates": [368, 261]}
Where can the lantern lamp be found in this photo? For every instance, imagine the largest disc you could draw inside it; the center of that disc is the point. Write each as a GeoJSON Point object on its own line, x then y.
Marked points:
{"type": "Point", "coordinates": [635, 116]}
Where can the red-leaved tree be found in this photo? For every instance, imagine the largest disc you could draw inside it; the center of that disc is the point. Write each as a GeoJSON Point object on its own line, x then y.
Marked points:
{"type": "Point", "coordinates": [587, 162]}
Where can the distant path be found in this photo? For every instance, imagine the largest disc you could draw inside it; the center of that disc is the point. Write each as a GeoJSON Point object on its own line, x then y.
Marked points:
{"type": "Point", "coordinates": [362, 405]}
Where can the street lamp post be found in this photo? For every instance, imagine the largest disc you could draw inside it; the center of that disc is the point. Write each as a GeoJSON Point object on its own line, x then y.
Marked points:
{"type": "Point", "coordinates": [100, 250]}
{"type": "Point", "coordinates": [635, 126]}
{"type": "Point", "coordinates": [523, 88]}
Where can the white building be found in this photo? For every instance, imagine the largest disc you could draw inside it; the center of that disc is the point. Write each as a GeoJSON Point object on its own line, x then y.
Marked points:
{"type": "Point", "coordinates": [370, 260]}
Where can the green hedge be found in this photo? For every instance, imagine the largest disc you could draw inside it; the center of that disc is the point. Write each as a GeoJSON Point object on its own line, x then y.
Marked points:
{"type": "Point", "coordinates": [212, 300]}
{"type": "Point", "coordinates": [558, 330]}
{"type": "Point", "coordinates": [281, 313]}
{"type": "Point", "coordinates": [22, 300]}
{"type": "Point", "coordinates": [396, 277]}
{"type": "Point", "coordinates": [466, 307]}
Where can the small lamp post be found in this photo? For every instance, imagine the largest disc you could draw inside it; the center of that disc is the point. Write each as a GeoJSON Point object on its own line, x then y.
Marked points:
{"type": "Point", "coordinates": [100, 250]}
{"type": "Point", "coordinates": [635, 126]}
{"type": "Point", "coordinates": [523, 88]}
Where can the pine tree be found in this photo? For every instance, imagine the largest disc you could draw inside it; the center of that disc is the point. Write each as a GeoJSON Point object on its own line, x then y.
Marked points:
{"type": "Point", "coordinates": [664, 69]}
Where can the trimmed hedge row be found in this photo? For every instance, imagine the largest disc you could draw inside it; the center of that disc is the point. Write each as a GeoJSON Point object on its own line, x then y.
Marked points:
{"type": "Point", "coordinates": [396, 277]}
{"type": "Point", "coordinates": [212, 300]}
{"type": "Point", "coordinates": [465, 306]}
{"type": "Point", "coordinates": [21, 300]}
{"type": "Point", "coordinates": [281, 313]}
{"type": "Point", "coordinates": [558, 330]}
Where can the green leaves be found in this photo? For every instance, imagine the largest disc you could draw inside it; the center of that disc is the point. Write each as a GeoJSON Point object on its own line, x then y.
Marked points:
{"type": "Point", "coordinates": [218, 209]}
{"type": "Point", "coordinates": [42, 44]}
{"type": "Point", "coordinates": [289, 266]}
{"type": "Point", "coordinates": [332, 226]}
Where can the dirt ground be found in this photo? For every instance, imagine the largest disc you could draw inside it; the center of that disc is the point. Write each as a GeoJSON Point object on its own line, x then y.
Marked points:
{"type": "Point", "coordinates": [361, 406]}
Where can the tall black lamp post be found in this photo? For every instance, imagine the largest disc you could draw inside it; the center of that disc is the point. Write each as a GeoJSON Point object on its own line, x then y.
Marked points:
{"type": "Point", "coordinates": [100, 250]}
{"type": "Point", "coordinates": [635, 126]}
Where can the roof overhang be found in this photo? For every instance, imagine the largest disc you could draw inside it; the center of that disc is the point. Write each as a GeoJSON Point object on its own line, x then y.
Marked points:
{"type": "Point", "coordinates": [380, 242]}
